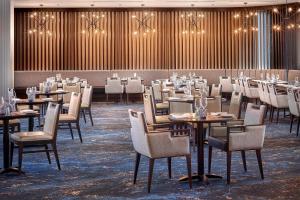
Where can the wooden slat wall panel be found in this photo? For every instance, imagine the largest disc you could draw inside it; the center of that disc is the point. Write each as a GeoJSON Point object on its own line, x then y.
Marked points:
{"type": "Point", "coordinates": [119, 48]}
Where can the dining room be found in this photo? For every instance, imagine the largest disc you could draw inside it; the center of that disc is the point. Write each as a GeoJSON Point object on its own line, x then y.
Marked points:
{"type": "Point", "coordinates": [149, 99]}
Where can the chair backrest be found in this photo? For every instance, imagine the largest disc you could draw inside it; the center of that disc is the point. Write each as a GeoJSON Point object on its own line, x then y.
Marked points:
{"type": "Point", "coordinates": [214, 104]}
{"type": "Point", "coordinates": [273, 95]}
{"type": "Point", "coordinates": [266, 93]}
{"type": "Point", "coordinates": [216, 90]}
{"type": "Point", "coordinates": [138, 132]}
{"type": "Point", "coordinates": [53, 88]}
{"type": "Point", "coordinates": [293, 104]}
{"type": "Point", "coordinates": [247, 88]}
{"type": "Point", "coordinates": [261, 92]}
{"type": "Point", "coordinates": [87, 96]}
{"type": "Point", "coordinates": [134, 85]}
{"type": "Point", "coordinates": [236, 104]}
{"type": "Point", "coordinates": [70, 87]}
{"type": "Point", "coordinates": [237, 85]}
{"type": "Point", "coordinates": [149, 109]}
{"type": "Point", "coordinates": [226, 84]}
{"type": "Point", "coordinates": [242, 87]}
{"type": "Point", "coordinates": [51, 119]}
{"type": "Point", "coordinates": [113, 81]}
{"type": "Point", "coordinates": [157, 87]}
{"type": "Point", "coordinates": [254, 114]}
{"type": "Point", "coordinates": [180, 107]}
{"type": "Point", "coordinates": [75, 103]}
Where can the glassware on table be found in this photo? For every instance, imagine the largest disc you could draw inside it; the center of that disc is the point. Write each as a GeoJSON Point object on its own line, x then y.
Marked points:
{"type": "Point", "coordinates": [296, 81]}
{"type": "Point", "coordinates": [277, 77]}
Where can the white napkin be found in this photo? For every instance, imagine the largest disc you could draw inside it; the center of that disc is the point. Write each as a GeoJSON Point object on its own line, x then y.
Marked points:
{"type": "Point", "coordinates": [182, 116]}
{"type": "Point", "coordinates": [27, 111]}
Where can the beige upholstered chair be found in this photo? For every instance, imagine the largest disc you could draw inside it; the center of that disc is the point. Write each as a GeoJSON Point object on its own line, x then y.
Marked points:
{"type": "Point", "coordinates": [151, 118]}
{"type": "Point", "coordinates": [294, 108]}
{"type": "Point", "coordinates": [250, 92]}
{"type": "Point", "coordinates": [216, 90]}
{"type": "Point", "coordinates": [114, 86]}
{"type": "Point", "coordinates": [86, 102]}
{"type": "Point", "coordinates": [226, 84]}
{"type": "Point", "coordinates": [70, 87]}
{"type": "Point", "coordinates": [236, 104]}
{"type": "Point", "coordinates": [251, 137]}
{"type": "Point", "coordinates": [40, 138]}
{"type": "Point", "coordinates": [73, 115]}
{"type": "Point", "coordinates": [236, 86]}
{"type": "Point", "coordinates": [53, 89]}
{"type": "Point", "coordinates": [159, 106]}
{"type": "Point", "coordinates": [157, 87]}
{"type": "Point", "coordinates": [134, 86]}
{"type": "Point", "coordinates": [278, 101]}
{"type": "Point", "coordinates": [156, 145]}
{"type": "Point", "coordinates": [242, 87]}
{"type": "Point", "coordinates": [214, 104]}
{"type": "Point", "coordinates": [261, 93]}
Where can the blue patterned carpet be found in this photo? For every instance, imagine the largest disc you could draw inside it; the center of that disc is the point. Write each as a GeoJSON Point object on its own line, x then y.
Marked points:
{"type": "Point", "coordinates": [102, 167]}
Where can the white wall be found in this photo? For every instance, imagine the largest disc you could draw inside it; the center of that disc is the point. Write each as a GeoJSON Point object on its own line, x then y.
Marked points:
{"type": "Point", "coordinates": [6, 46]}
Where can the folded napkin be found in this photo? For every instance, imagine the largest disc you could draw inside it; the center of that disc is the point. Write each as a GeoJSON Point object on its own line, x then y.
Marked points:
{"type": "Point", "coordinates": [182, 116]}
{"type": "Point", "coordinates": [27, 111]}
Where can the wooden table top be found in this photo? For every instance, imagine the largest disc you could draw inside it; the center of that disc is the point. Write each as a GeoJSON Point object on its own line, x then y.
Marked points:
{"type": "Point", "coordinates": [18, 115]}
{"type": "Point", "coordinates": [190, 117]}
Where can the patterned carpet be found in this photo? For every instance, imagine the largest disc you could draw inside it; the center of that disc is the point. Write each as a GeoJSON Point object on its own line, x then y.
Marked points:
{"type": "Point", "coordinates": [102, 167]}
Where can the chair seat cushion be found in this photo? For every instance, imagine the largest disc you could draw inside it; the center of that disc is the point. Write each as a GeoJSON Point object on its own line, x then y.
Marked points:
{"type": "Point", "coordinates": [161, 106]}
{"type": "Point", "coordinates": [11, 122]}
{"type": "Point", "coordinates": [162, 119]}
{"type": "Point", "coordinates": [83, 105]}
{"type": "Point", "coordinates": [66, 118]}
{"type": "Point", "coordinates": [31, 136]}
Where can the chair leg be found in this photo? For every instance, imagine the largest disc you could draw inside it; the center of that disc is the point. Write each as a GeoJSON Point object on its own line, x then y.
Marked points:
{"type": "Point", "coordinates": [83, 114]}
{"type": "Point", "coordinates": [137, 163]}
{"type": "Point", "coordinates": [228, 166]}
{"type": "Point", "coordinates": [170, 167]}
{"type": "Point", "coordinates": [20, 157]}
{"type": "Point", "coordinates": [194, 140]}
{"type": "Point", "coordinates": [189, 168]}
{"type": "Point", "coordinates": [79, 132]}
{"type": "Point", "coordinates": [209, 158]}
{"type": "Point", "coordinates": [71, 131]}
{"type": "Point", "coordinates": [127, 98]}
{"type": "Point", "coordinates": [56, 155]}
{"type": "Point", "coordinates": [151, 165]}
{"type": "Point", "coordinates": [258, 155]}
{"type": "Point", "coordinates": [298, 126]}
{"type": "Point", "coordinates": [91, 117]}
{"type": "Point", "coordinates": [121, 99]}
{"type": "Point", "coordinates": [12, 146]}
{"type": "Point", "coordinates": [48, 154]}
{"type": "Point", "coordinates": [106, 97]}
{"type": "Point", "coordinates": [277, 115]}
{"type": "Point", "coordinates": [244, 160]}
{"type": "Point", "coordinates": [291, 123]}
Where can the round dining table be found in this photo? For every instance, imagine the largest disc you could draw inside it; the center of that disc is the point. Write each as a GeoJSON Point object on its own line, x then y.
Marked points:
{"type": "Point", "coordinates": [6, 144]}
{"type": "Point", "coordinates": [200, 134]}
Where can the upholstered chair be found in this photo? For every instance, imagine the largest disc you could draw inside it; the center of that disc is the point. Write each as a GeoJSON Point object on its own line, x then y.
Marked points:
{"type": "Point", "coordinates": [73, 115]}
{"type": "Point", "coordinates": [236, 86]}
{"type": "Point", "coordinates": [86, 103]}
{"type": "Point", "coordinates": [70, 87]}
{"type": "Point", "coordinates": [157, 90]}
{"type": "Point", "coordinates": [157, 144]}
{"type": "Point", "coordinates": [134, 86]}
{"type": "Point", "coordinates": [152, 120]}
{"type": "Point", "coordinates": [214, 104]}
{"type": "Point", "coordinates": [278, 100]}
{"type": "Point", "coordinates": [250, 91]}
{"type": "Point", "coordinates": [159, 106]}
{"type": "Point", "coordinates": [249, 137]}
{"type": "Point", "coordinates": [216, 90]}
{"type": "Point", "coordinates": [54, 87]}
{"type": "Point", "coordinates": [114, 86]}
{"type": "Point", "coordinates": [242, 87]}
{"type": "Point", "coordinates": [39, 138]}
{"type": "Point", "coordinates": [261, 93]}
{"type": "Point", "coordinates": [294, 108]}
{"type": "Point", "coordinates": [226, 84]}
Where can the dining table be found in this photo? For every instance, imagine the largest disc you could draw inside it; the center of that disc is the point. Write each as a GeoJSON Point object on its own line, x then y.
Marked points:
{"type": "Point", "coordinates": [7, 168]}
{"type": "Point", "coordinates": [191, 118]}
{"type": "Point", "coordinates": [51, 93]}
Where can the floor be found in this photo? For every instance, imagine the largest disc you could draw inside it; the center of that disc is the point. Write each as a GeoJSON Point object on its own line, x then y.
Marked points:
{"type": "Point", "coordinates": [102, 167]}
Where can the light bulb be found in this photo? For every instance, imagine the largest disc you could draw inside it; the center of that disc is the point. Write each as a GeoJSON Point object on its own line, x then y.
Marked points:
{"type": "Point", "coordinates": [275, 10]}
{"type": "Point", "coordinates": [135, 33]}
{"type": "Point", "coordinates": [290, 9]}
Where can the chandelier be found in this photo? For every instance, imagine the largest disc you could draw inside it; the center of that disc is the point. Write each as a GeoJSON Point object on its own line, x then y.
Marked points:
{"type": "Point", "coordinates": [144, 23]}
{"type": "Point", "coordinates": [246, 21]}
{"type": "Point", "coordinates": [288, 17]}
{"type": "Point", "coordinates": [41, 21]}
{"type": "Point", "coordinates": [92, 22]}
{"type": "Point", "coordinates": [194, 23]}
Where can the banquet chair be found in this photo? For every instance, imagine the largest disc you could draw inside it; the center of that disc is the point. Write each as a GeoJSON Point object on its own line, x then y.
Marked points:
{"type": "Point", "coordinates": [54, 87]}
{"type": "Point", "coordinates": [73, 115]}
{"type": "Point", "coordinates": [157, 145]}
{"type": "Point", "coordinates": [86, 103]}
{"type": "Point", "coordinates": [267, 98]}
{"type": "Point", "coordinates": [157, 87]}
{"type": "Point", "coordinates": [40, 138]}
{"type": "Point", "coordinates": [250, 91]}
{"type": "Point", "coordinates": [294, 108]}
{"type": "Point", "coordinates": [114, 86]}
{"type": "Point", "coordinates": [250, 137]}
{"type": "Point", "coordinates": [214, 104]}
{"type": "Point", "coordinates": [242, 87]}
{"type": "Point", "coordinates": [226, 84]}
{"type": "Point", "coordinates": [216, 90]}
{"type": "Point", "coordinates": [134, 86]}
{"type": "Point", "coordinates": [159, 107]}
{"type": "Point", "coordinates": [278, 100]}
{"type": "Point", "coordinates": [236, 86]}
{"type": "Point", "coordinates": [153, 120]}
{"type": "Point", "coordinates": [70, 87]}
{"type": "Point", "coordinates": [261, 93]}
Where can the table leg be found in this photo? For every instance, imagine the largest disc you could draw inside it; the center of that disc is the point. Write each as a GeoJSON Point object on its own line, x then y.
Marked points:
{"type": "Point", "coordinates": [6, 150]}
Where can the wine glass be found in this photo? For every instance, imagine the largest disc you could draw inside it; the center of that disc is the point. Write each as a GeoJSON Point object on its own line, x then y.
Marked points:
{"type": "Point", "coordinates": [296, 80]}
{"type": "Point", "coordinates": [277, 77]}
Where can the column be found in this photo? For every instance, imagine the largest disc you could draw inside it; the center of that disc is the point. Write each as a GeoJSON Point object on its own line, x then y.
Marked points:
{"type": "Point", "coordinates": [6, 46]}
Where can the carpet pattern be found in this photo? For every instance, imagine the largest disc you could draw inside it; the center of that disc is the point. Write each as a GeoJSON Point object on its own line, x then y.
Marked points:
{"type": "Point", "coordinates": [102, 167]}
